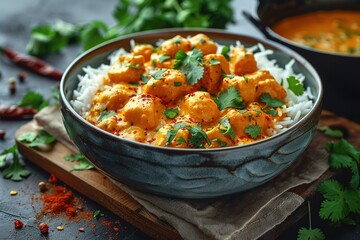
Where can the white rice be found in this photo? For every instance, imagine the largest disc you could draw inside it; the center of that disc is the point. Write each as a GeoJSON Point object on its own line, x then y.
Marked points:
{"type": "Point", "coordinates": [297, 106]}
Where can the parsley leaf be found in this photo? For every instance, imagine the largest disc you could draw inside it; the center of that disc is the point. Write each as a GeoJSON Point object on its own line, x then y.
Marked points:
{"type": "Point", "coordinates": [36, 139]}
{"type": "Point", "coordinates": [253, 131]}
{"type": "Point", "coordinates": [84, 164]}
{"type": "Point", "coordinates": [158, 74]}
{"type": "Point", "coordinates": [330, 132]}
{"type": "Point", "coordinates": [295, 86]}
{"type": "Point", "coordinates": [164, 58]}
{"type": "Point", "coordinates": [213, 61]}
{"type": "Point", "coordinates": [191, 65]}
{"type": "Point", "coordinates": [225, 127]}
{"type": "Point", "coordinates": [229, 98]}
{"type": "Point", "coordinates": [104, 115]}
{"type": "Point", "coordinates": [15, 171]}
{"type": "Point", "coordinates": [171, 112]}
{"type": "Point", "coordinates": [270, 102]}
{"type": "Point", "coordinates": [225, 51]}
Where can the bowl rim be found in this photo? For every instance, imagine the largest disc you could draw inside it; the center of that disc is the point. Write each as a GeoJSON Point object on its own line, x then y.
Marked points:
{"type": "Point", "coordinates": [191, 31]}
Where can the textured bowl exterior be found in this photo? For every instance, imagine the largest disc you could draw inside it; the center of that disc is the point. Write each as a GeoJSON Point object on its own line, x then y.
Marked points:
{"type": "Point", "coordinates": [188, 173]}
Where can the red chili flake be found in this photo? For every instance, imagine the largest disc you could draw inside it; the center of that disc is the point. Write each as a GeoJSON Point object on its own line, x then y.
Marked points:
{"type": "Point", "coordinates": [18, 224]}
{"type": "Point", "coordinates": [44, 228]}
{"type": "Point", "coordinates": [52, 179]}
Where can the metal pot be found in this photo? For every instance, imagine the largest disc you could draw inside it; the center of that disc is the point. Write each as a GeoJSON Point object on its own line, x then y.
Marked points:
{"type": "Point", "coordinates": [339, 72]}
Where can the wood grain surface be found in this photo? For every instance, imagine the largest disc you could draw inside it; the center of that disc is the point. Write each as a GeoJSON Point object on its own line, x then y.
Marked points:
{"type": "Point", "coordinates": [99, 188]}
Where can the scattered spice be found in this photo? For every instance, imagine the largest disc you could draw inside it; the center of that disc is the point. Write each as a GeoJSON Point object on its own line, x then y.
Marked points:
{"type": "Point", "coordinates": [2, 134]}
{"type": "Point", "coordinates": [13, 192]}
{"type": "Point", "coordinates": [52, 179]}
{"type": "Point", "coordinates": [12, 85]}
{"type": "Point", "coordinates": [16, 112]}
{"type": "Point", "coordinates": [61, 200]}
{"type": "Point", "coordinates": [18, 224]}
{"type": "Point", "coordinates": [44, 228]}
{"type": "Point", "coordinates": [43, 187]}
{"type": "Point", "coordinates": [32, 63]}
{"type": "Point", "coordinates": [60, 228]}
{"type": "Point", "coordinates": [81, 229]}
{"type": "Point", "coordinates": [22, 76]}
{"type": "Point", "coordinates": [98, 214]}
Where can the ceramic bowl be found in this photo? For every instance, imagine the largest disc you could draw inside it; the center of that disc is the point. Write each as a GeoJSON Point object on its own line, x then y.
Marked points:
{"type": "Point", "coordinates": [188, 173]}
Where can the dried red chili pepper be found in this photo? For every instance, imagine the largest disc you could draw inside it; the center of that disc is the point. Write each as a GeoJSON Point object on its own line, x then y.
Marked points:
{"type": "Point", "coordinates": [18, 224]}
{"type": "Point", "coordinates": [16, 112]}
{"type": "Point", "coordinates": [32, 63]}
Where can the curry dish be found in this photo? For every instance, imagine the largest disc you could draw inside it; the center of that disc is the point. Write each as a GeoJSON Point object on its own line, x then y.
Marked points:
{"type": "Point", "coordinates": [331, 31]}
{"type": "Point", "coordinates": [185, 94]}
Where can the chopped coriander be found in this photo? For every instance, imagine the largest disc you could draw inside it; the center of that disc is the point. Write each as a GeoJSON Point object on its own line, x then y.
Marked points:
{"type": "Point", "coordinates": [229, 98]}
{"type": "Point", "coordinates": [137, 66]}
{"type": "Point", "coordinates": [225, 51]}
{"type": "Point", "coordinates": [191, 65]}
{"type": "Point", "coordinates": [171, 112]}
{"type": "Point", "coordinates": [37, 140]}
{"type": "Point", "coordinates": [225, 127]}
{"type": "Point", "coordinates": [331, 132]}
{"type": "Point", "coordinates": [97, 214]}
{"type": "Point", "coordinates": [295, 86]}
{"type": "Point", "coordinates": [33, 100]}
{"type": "Point", "coordinates": [177, 84]}
{"type": "Point", "coordinates": [202, 41]}
{"type": "Point", "coordinates": [104, 115]}
{"type": "Point", "coordinates": [180, 140]}
{"type": "Point", "coordinates": [197, 137]}
{"type": "Point", "coordinates": [231, 76]}
{"type": "Point", "coordinates": [145, 78]}
{"type": "Point", "coordinates": [177, 41]}
{"type": "Point", "coordinates": [163, 58]}
{"type": "Point", "coordinates": [246, 79]}
{"type": "Point", "coordinates": [134, 83]}
{"type": "Point", "coordinates": [213, 61]}
{"type": "Point", "coordinates": [257, 112]}
{"type": "Point", "coordinates": [254, 131]}
{"type": "Point", "coordinates": [84, 164]}
{"type": "Point", "coordinates": [270, 102]}
{"type": "Point", "coordinates": [272, 112]}
{"type": "Point", "coordinates": [250, 117]}
{"type": "Point", "coordinates": [243, 111]}
{"type": "Point", "coordinates": [171, 134]}
{"type": "Point", "coordinates": [158, 74]}
{"type": "Point", "coordinates": [221, 143]}
{"type": "Point", "coordinates": [310, 233]}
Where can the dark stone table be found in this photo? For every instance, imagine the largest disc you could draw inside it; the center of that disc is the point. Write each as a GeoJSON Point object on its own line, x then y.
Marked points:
{"type": "Point", "coordinates": [17, 17]}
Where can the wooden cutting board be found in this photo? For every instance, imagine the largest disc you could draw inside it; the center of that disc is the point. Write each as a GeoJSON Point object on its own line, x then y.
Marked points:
{"type": "Point", "coordinates": [100, 189]}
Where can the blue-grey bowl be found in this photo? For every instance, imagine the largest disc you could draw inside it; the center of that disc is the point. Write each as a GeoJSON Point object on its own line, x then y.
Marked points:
{"type": "Point", "coordinates": [188, 173]}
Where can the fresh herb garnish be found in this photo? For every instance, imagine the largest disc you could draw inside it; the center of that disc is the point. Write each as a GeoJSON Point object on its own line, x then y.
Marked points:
{"type": "Point", "coordinates": [163, 58]}
{"type": "Point", "coordinates": [145, 78]}
{"type": "Point", "coordinates": [84, 164]}
{"type": "Point", "coordinates": [202, 41]}
{"type": "Point", "coordinates": [33, 100]}
{"type": "Point", "coordinates": [229, 98]}
{"type": "Point", "coordinates": [158, 74]}
{"type": "Point", "coordinates": [171, 134]}
{"type": "Point", "coordinates": [295, 86]}
{"type": "Point", "coordinates": [137, 66]}
{"type": "Point", "coordinates": [246, 79]}
{"type": "Point", "coordinates": [310, 233]}
{"type": "Point", "coordinates": [197, 137]}
{"type": "Point", "coordinates": [191, 65]}
{"type": "Point", "coordinates": [105, 114]}
{"type": "Point", "coordinates": [270, 102]}
{"type": "Point", "coordinates": [331, 132]}
{"type": "Point", "coordinates": [38, 139]}
{"type": "Point", "coordinates": [253, 130]}
{"type": "Point", "coordinates": [97, 214]}
{"type": "Point", "coordinates": [180, 140]}
{"type": "Point", "coordinates": [272, 112]}
{"type": "Point", "coordinates": [213, 61]}
{"type": "Point", "coordinates": [15, 171]}
{"type": "Point", "coordinates": [225, 127]}
{"type": "Point", "coordinates": [231, 76]}
{"type": "Point", "coordinates": [225, 51]}
{"type": "Point", "coordinates": [221, 143]}
{"type": "Point", "coordinates": [171, 112]}
{"type": "Point", "coordinates": [177, 84]}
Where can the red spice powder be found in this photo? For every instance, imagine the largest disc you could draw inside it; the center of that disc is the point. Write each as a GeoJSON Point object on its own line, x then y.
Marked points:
{"type": "Point", "coordinates": [61, 200]}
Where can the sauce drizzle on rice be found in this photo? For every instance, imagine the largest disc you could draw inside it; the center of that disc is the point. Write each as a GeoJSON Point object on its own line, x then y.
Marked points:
{"type": "Point", "coordinates": [191, 93]}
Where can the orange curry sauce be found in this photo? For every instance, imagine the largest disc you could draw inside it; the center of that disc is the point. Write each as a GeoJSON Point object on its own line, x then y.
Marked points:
{"type": "Point", "coordinates": [146, 99]}
{"type": "Point", "coordinates": [331, 31]}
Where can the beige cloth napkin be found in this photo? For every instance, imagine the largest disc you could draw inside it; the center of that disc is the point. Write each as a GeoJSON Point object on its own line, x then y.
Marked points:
{"type": "Point", "coordinates": [246, 215]}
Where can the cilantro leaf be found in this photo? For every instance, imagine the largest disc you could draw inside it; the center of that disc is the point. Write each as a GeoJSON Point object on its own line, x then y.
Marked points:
{"type": "Point", "coordinates": [225, 127]}
{"type": "Point", "coordinates": [145, 78]}
{"type": "Point", "coordinates": [229, 98]}
{"type": "Point", "coordinates": [104, 115]}
{"type": "Point", "coordinates": [84, 164]}
{"type": "Point", "coordinates": [197, 137]}
{"type": "Point", "coordinates": [231, 76]}
{"type": "Point", "coordinates": [97, 214]}
{"type": "Point", "coordinates": [15, 171]}
{"type": "Point", "coordinates": [331, 132]}
{"type": "Point", "coordinates": [6, 153]}
{"type": "Point", "coordinates": [253, 131]}
{"type": "Point", "coordinates": [352, 200]}
{"type": "Point", "coordinates": [213, 61]}
{"type": "Point", "coordinates": [39, 139]}
{"type": "Point", "coordinates": [171, 134]}
{"type": "Point", "coordinates": [171, 112]}
{"type": "Point", "coordinates": [177, 84]}
{"type": "Point", "coordinates": [32, 100]}
{"type": "Point", "coordinates": [270, 102]}
{"type": "Point", "coordinates": [164, 58]}
{"type": "Point", "coordinates": [225, 52]}
{"type": "Point", "coordinates": [221, 143]}
{"type": "Point", "coordinates": [272, 112]}
{"type": "Point", "coordinates": [295, 86]}
{"type": "Point", "coordinates": [334, 210]}
{"type": "Point", "coordinates": [180, 140]}
{"type": "Point", "coordinates": [191, 65]}
{"type": "Point", "coordinates": [310, 234]}
{"type": "Point", "coordinates": [158, 74]}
